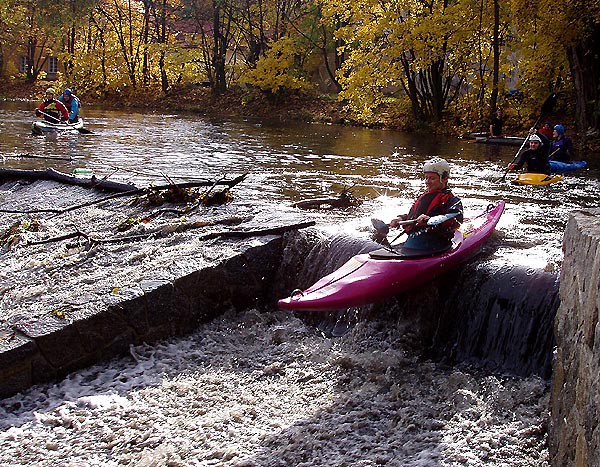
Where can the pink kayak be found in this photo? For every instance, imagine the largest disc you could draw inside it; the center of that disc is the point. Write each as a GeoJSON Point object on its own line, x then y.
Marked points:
{"type": "Point", "coordinates": [370, 277]}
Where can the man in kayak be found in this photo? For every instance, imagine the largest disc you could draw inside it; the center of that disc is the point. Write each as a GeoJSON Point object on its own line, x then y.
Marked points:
{"type": "Point", "coordinates": [52, 109]}
{"type": "Point", "coordinates": [562, 146]}
{"type": "Point", "coordinates": [72, 103]}
{"type": "Point", "coordinates": [437, 200]}
{"type": "Point", "coordinates": [536, 157]}
{"type": "Point", "coordinates": [496, 124]}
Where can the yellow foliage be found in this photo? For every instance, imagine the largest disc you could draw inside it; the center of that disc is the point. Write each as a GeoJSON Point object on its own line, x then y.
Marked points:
{"type": "Point", "coordinates": [277, 71]}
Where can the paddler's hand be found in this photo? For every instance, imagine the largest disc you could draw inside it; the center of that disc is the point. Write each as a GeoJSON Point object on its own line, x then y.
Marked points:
{"type": "Point", "coordinates": [511, 166]}
{"type": "Point", "coordinates": [421, 221]}
{"type": "Point", "coordinates": [394, 222]}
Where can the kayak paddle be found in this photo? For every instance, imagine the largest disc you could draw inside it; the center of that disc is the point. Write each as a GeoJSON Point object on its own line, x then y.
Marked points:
{"type": "Point", "coordinates": [384, 228]}
{"type": "Point", "coordinates": [553, 152]}
{"type": "Point", "coordinates": [83, 131]}
{"type": "Point", "coordinates": [547, 107]}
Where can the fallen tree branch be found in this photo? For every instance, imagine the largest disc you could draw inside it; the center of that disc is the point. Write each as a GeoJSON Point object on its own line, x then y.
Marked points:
{"type": "Point", "coordinates": [182, 228]}
{"type": "Point", "coordinates": [52, 174]}
{"type": "Point", "coordinates": [60, 238]}
{"type": "Point", "coordinates": [133, 192]}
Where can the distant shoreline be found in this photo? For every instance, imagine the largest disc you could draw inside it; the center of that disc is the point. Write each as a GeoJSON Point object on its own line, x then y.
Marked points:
{"type": "Point", "coordinates": [239, 103]}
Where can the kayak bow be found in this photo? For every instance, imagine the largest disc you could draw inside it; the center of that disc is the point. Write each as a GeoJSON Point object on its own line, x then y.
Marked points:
{"type": "Point", "coordinates": [536, 179]}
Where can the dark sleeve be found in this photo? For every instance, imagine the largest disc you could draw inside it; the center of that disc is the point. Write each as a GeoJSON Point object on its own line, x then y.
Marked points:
{"type": "Point", "coordinates": [521, 162]}
{"type": "Point", "coordinates": [453, 205]}
{"type": "Point", "coordinates": [545, 143]}
{"type": "Point", "coordinates": [569, 147]}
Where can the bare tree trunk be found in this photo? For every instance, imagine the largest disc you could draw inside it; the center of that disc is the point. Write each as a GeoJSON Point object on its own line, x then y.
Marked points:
{"type": "Point", "coordinates": [162, 38]}
{"type": "Point", "coordinates": [584, 62]}
{"type": "Point", "coordinates": [219, 51]}
{"type": "Point", "coordinates": [496, 52]}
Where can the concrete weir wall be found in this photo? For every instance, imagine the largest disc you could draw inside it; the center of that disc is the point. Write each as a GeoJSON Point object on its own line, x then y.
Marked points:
{"type": "Point", "coordinates": [574, 435]}
{"type": "Point", "coordinates": [50, 348]}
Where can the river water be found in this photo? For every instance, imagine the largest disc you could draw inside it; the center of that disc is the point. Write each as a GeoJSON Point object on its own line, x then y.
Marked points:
{"type": "Point", "coordinates": [265, 388]}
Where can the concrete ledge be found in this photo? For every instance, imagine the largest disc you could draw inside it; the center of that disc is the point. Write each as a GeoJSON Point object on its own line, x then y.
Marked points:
{"type": "Point", "coordinates": [50, 347]}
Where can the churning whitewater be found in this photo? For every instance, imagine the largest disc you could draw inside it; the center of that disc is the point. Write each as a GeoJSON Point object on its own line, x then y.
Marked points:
{"type": "Point", "coordinates": [265, 389]}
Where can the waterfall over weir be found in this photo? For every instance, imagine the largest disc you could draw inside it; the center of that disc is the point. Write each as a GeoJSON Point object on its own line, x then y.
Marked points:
{"type": "Point", "coordinates": [495, 317]}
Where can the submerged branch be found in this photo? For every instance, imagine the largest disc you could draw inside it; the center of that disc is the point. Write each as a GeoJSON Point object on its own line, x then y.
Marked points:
{"type": "Point", "coordinates": [52, 174]}
{"type": "Point", "coordinates": [34, 156]}
{"type": "Point", "coordinates": [344, 200]}
{"type": "Point", "coordinates": [257, 233]}
{"type": "Point", "coordinates": [131, 192]}
{"type": "Point", "coordinates": [169, 230]}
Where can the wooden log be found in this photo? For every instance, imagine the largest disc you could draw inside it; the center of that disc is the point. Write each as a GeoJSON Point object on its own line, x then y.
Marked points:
{"type": "Point", "coordinates": [52, 174]}
{"type": "Point", "coordinates": [130, 192]}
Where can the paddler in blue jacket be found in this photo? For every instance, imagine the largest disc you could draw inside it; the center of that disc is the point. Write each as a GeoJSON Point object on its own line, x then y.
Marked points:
{"type": "Point", "coordinates": [71, 102]}
{"type": "Point", "coordinates": [562, 146]}
{"type": "Point", "coordinates": [437, 200]}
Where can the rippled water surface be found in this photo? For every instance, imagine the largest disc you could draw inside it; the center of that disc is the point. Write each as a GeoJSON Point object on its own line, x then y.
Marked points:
{"type": "Point", "coordinates": [288, 162]}
{"type": "Point", "coordinates": [264, 389]}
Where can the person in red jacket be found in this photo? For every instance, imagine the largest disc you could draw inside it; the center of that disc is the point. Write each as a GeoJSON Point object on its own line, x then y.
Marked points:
{"type": "Point", "coordinates": [437, 200]}
{"type": "Point", "coordinates": [546, 130]}
{"type": "Point", "coordinates": [52, 109]}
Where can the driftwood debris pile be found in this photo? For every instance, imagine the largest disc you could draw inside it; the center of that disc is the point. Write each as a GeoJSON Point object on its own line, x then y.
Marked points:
{"type": "Point", "coordinates": [345, 200]}
{"type": "Point", "coordinates": [176, 201]}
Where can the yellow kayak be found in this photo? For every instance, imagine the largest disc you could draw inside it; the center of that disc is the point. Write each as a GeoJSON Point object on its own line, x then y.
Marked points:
{"type": "Point", "coordinates": [537, 179]}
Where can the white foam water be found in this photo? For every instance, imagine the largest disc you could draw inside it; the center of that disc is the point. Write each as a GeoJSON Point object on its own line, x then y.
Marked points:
{"type": "Point", "coordinates": [264, 389]}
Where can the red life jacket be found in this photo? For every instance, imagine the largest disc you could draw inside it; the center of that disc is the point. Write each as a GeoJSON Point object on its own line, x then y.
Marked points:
{"type": "Point", "coordinates": [431, 204]}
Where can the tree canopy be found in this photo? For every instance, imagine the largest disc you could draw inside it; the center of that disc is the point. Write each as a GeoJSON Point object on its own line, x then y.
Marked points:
{"type": "Point", "coordinates": [422, 60]}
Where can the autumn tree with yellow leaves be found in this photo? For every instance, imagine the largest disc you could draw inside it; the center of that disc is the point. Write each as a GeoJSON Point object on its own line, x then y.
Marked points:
{"type": "Point", "coordinates": [424, 61]}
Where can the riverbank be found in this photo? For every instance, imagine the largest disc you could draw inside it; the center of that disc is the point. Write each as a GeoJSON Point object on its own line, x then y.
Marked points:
{"type": "Point", "coordinates": [235, 102]}
{"type": "Point", "coordinates": [306, 107]}
{"type": "Point", "coordinates": [241, 101]}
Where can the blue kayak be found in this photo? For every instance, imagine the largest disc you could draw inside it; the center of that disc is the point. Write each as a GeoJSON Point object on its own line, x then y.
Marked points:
{"type": "Point", "coordinates": [562, 167]}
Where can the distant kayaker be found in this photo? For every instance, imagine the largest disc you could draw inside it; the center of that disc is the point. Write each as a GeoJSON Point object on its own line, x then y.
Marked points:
{"type": "Point", "coordinates": [52, 109]}
{"type": "Point", "coordinates": [562, 147]}
{"type": "Point", "coordinates": [536, 157]}
{"type": "Point", "coordinates": [546, 130]}
{"type": "Point", "coordinates": [438, 199]}
{"type": "Point", "coordinates": [72, 103]}
{"type": "Point", "coordinates": [496, 124]}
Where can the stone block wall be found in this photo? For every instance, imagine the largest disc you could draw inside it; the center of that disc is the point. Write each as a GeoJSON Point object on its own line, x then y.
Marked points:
{"type": "Point", "coordinates": [574, 433]}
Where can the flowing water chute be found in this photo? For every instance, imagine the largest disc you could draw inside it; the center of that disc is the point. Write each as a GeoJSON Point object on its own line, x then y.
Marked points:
{"type": "Point", "coordinates": [498, 317]}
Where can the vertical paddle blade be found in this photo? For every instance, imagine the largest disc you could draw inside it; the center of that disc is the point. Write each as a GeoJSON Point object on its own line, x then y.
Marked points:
{"type": "Point", "coordinates": [549, 103]}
